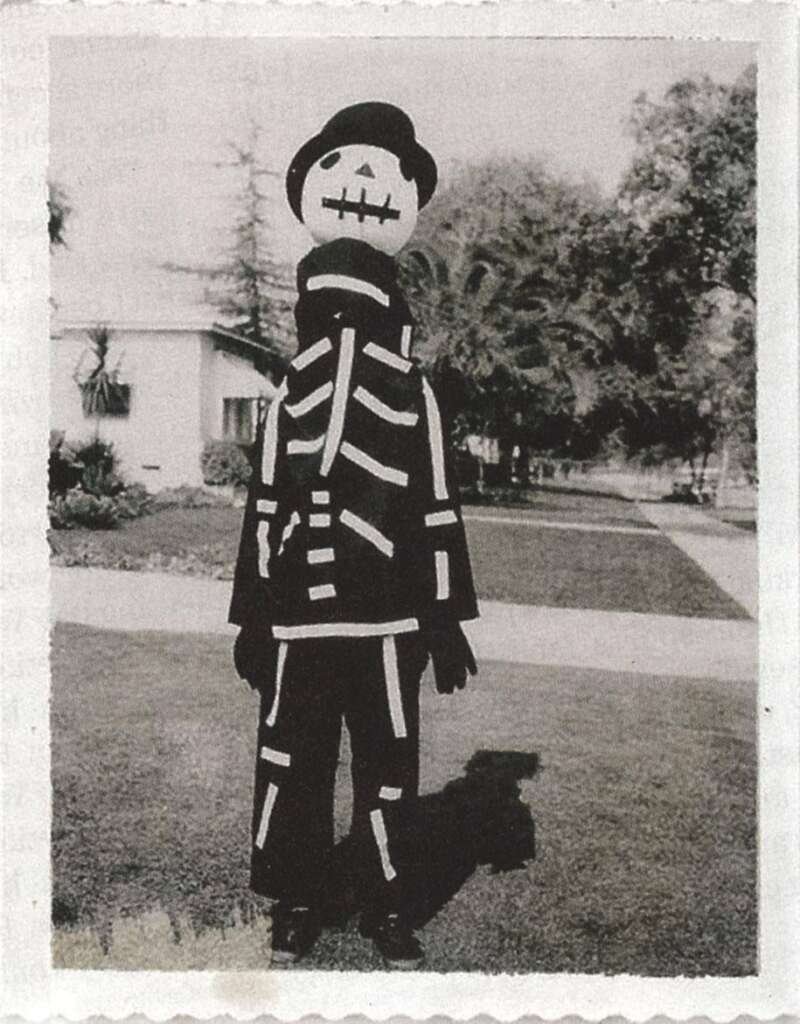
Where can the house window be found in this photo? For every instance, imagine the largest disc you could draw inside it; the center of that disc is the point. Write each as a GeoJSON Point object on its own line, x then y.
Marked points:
{"type": "Point", "coordinates": [239, 419]}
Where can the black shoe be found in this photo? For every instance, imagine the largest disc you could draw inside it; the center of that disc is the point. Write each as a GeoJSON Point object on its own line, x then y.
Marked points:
{"type": "Point", "coordinates": [294, 932]}
{"type": "Point", "coordinates": [394, 940]}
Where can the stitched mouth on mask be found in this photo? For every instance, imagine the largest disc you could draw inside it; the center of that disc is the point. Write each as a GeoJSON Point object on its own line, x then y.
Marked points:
{"type": "Point", "coordinates": [361, 208]}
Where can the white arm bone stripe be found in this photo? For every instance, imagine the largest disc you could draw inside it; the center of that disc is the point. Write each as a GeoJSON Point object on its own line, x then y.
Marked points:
{"type": "Point", "coordinates": [436, 442]}
{"type": "Point", "coordinates": [369, 401]}
{"type": "Point", "coordinates": [405, 341]}
{"type": "Point", "coordinates": [368, 532]}
{"type": "Point", "coordinates": [271, 437]}
{"type": "Point", "coordinates": [349, 284]}
{"type": "Point", "coordinates": [266, 814]}
{"type": "Point", "coordinates": [311, 354]}
{"type": "Point", "coordinates": [379, 831]}
{"type": "Point", "coordinates": [388, 473]}
{"type": "Point", "coordinates": [311, 401]}
{"type": "Point", "coordinates": [442, 576]}
{"type": "Point", "coordinates": [262, 536]}
{"type": "Point", "coordinates": [336, 425]}
{"type": "Point", "coordinates": [383, 355]}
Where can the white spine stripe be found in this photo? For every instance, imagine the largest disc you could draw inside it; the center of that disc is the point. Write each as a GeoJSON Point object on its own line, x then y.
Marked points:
{"type": "Point", "coordinates": [276, 757]}
{"type": "Point", "coordinates": [301, 447]}
{"type": "Point", "coordinates": [319, 519]}
{"type": "Point", "coordinates": [436, 442]}
{"type": "Point", "coordinates": [266, 814]}
{"type": "Point", "coordinates": [310, 401]}
{"type": "Point", "coordinates": [322, 592]}
{"type": "Point", "coordinates": [336, 425]}
{"type": "Point", "coordinates": [262, 536]}
{"type": "Point", "coordinates": [441, 518]}
{"type": "Point", "coordinates": [379, 831]}
{"type": "Point", "coordinates": [346, 283]}
{"type": "Point", "coordinates": [368, 532]}
{"type": "Point", "coordinates": [318, 555]}
{"type": "Point", "coordinates": [405, 341]}
{"type": "Point", "coordinates": [393, 687]}
{"type": "Point", "coordinates": [317, 629]}
{"type": "Point", "coordinates": [312, 354]}
{"type": "Point", "coordinates": [369, 401]}
{"type": "Point", "coordinates": [271, 437]}
{"type": "Point", "coordinates": [388, 473]}
{"type": "Point", "coordinates": [390, 793]}
{"type": "Point", "coordinates": [288, 530]}
{"type": "Point", "coordinates": [383, 355]}
{"type": "Point", "coordinates": [320, 497]}
{"type": "Point", "coordinates": [283, 648]}
{"type": "Point", "coordinates": [442, 576]}
{"type": "Point", "coordinates": [265, 507]}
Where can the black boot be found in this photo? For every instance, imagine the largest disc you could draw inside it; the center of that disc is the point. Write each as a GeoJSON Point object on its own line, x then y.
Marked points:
{"type": "Point", "coordinates": [394, 940]}
{"type": "Point", "coordinates": [294, 932]}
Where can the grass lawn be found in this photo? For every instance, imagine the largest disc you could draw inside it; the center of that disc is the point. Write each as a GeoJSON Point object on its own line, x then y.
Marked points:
{"type": "Point", "coordinates": [643, 806]}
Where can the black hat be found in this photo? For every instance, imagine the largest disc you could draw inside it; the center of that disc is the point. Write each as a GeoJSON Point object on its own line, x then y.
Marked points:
{"type": "Point", "coordinates": [370, 124]}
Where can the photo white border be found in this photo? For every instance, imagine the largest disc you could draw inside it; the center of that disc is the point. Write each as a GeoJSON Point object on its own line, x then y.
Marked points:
{"type": "Point", "coordinates": [34, 990]}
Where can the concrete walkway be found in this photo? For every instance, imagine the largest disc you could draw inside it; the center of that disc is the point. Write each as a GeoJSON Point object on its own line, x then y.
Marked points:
{"type": "Point", "coordinates": [616, 641]}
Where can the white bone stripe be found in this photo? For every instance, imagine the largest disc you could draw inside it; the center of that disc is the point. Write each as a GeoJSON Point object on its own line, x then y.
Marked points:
{"type": "Point", "coordinates": [310, 401]}
{"type": "Point", "coordinates": [350, 284]}
{"type": "Point", "coordinates": [379, 831]}
{"type": "Point", "coordinates": [368, 532]}
{"type": "Point", "coordinates": [301, 447]}
{"type": "Point", "coordinates": [320, 497]}
{"type": "Point", "coordinates": [319, 519]}
{"type": "Point", "coordinates": [383, 355]}
{"type": "Point", "coordinates": [316, 629]}
{"type": "Point", "coordinates": [442, 576]}
{"type": "Point", "coordinates": [266, 507]}
{"type": "Point", "coordinates": [405, 340]}
{"type": "Point", "coordinates": [336, 425]}
{"type": "Point", "coordinates": [262, 535]}
{"type": "Point", "coordinates": [322, 592]}
{"type": "Point", "coordinates": [266, 814]}
{"type": "Point", "coordinates": [437, 445]}
{"type": "Point", "coordinates": [271, 437]}
{"type": "Point", "coordinates": [388, 473]}
{"type": "Point", "coordinates": [441, 518]}
{"type": "Point", "coordinates": [276, 756]}
{"type": "Point", "coordinates": [317, 555]}
{"type": "Point", "coordinates": [312, 354]}
{"type": "Point", "coordinates": [288, 530]}
{"type": "Point", "coordinates": [367, 399]}
{"type": "Point", "coordinates": [393, 687]}
{"type": "Point", "coordinates": [283, 648]}
{"type": "Point", "coordinates": [390, 793]}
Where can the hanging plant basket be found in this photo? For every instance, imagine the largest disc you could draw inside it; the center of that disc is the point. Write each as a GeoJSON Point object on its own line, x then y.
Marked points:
{"type": "Point", "coordinates": [102, 392]}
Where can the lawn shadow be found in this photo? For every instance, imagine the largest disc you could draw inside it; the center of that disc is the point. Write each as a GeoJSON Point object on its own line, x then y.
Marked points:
{"type": "Point", "coordinates": [475, 819]}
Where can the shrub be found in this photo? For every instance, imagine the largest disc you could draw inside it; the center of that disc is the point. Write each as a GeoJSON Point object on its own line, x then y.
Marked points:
{"type": "Point", "coordinates": [97, 455]}
{"type": "Point", "coordinates": [64, 467]}
{"type": "Point", "coordinates": [224, 462]}
{"type": "Point", "coordinates": [77, 508]}
{"type": "Point", "coordinates": [188, 497]}
{"type": "Point", "coordinates": [134, 501]}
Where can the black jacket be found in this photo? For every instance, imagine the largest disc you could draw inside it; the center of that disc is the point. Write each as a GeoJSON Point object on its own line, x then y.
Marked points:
{"type": "Point", "coordinates": [352, 525]}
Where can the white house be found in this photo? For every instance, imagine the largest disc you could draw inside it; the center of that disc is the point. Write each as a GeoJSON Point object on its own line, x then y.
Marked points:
{"type": "Point", "coordinates": [190, 381]}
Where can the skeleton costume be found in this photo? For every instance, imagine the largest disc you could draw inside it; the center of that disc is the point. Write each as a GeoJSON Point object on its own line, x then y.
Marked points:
{"type": "Point", "coordinates": [352, 568]}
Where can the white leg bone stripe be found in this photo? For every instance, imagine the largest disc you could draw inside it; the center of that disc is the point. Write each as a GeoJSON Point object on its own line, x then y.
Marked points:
{"type": "Point", "coordinates": [390, 793]}
{"type": "Point", "coordinates": [272, 717]}
{"type": "Point", "coordinates": [336, 425]}
{"type": "Point", "coordinates": [262, 535]}
{"type": "Point", "coordinates": [319, 555]}
{"type": "Point", "coordinates": [379, 831]}
{"type": "Point", "coordinates": [311, 354]}
{"type": "Point", "coordinates": [300, 447]}
{"type": "Point", "coordinates": [387, 473]}
{"type": "Point", "coordinates": [288, 530]}
{"type": "Point", "coordinates": [265, 507]}
{"type": "Point", "coordinates": [271, 437]}
{"type": "Point", "coordinates": [266, 814]}
{"type": "Point", "coordinates": [319, 519]}
{"type": "Point", "coordinates": [440, 518]}
{"type": "Point", "coordinates": [322, 592]}
{"type": "Point", "coordinates": [320, 497]}
{"type": "Point", "coordinates": [405, 340]}
{"type": "Point", "coordinates": [393, 687]}
{"type": "Point", "coordinates": [350, 284]}
{"type": "Point", "coordinates": [383, 355]}
{"type": "Point", "coordinates": [369, 401]}
{"type": "Point", "coordinates": [368, 532]}
{"type": "Point", "coordinates": [442, 576]}
{"type": "Point", "coordinates": [278, 757]}
{"type": "Point", "coordinates": [436, 443]}
{"type": "Point", "coordinates": [310, 401]}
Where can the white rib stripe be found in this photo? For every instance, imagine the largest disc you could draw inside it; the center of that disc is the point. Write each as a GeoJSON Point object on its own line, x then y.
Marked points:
{"type": "Point", "coordinates": [319, 519]}
{"type": "Point", "coordinates": [311, 401]}
{"type": "Point", "coordinates": [276, 756]}
{"type": "Point", "coordinates": [262, 536]}
{"type": "Point", "coordinates": [336, 425]}
{"type": "Point", "coordinates": [442, 576]}
{"type": "Point", "coordinates": [271, 437]}
{"type": "Point", "coordinates": [312, 354]}
{"type": "Point", "coordinates": [318, 555]}
{"type": "Point", "coordinates": [383, 355]}
{"type": "Point", "coordinates": [388, 473]}
{"type": "Point", "coordinates": [317, 629]}
{"type": "Point", "coordinates": [405, 341]}
{"type": "Point", "coordinates": [390, 793]}
{"type": "Point", "coordinates": [302, 447]}
{"type": "Point", "coordinates": [322, 592]}
{"type": "Point", "coordinates": [367, 399]}
{"type": "Point", "coordinates": [393, 687]}
{"type": "Point", "coordinates": [368, 532]}
{"type": "Point", "coordinates": [379, 831]}
{"type": "Point", "coordinates": [266, 814]}
{"type": "Point", "coordinates": [283, 648]}
{"type": "Point", "coordinates": [441, 518]}
{"type": "Point", "coordinates": [320, 497]}
{"type": "Point", "coordinates": [436, 442]}
{"type": "Point", "coordinates": [265, 507]}
{"type": "Point", "coordinates": [350, 284]}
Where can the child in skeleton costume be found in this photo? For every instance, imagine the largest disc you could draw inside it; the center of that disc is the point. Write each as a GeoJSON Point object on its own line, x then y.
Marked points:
{"type": "Point", "coordinates": [353, 567]}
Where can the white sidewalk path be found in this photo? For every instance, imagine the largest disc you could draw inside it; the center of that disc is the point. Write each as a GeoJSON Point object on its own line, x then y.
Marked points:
{"type": "Point", "coordinates": [616, 641]}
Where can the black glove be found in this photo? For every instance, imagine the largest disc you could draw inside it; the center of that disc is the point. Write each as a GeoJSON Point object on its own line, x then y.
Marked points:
{"type": "Point", "coordinates": [254, 657]}
{"type": "Point", "coordinates": [452, 658]}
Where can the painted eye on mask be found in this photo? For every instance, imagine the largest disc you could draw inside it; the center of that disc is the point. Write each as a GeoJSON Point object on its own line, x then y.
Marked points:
{"type": "Point", "coordinates": [329, 161]}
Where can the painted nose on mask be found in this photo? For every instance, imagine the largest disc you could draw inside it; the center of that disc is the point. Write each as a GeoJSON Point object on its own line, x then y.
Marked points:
{"type": "Point", "coordinates": [365, 171]}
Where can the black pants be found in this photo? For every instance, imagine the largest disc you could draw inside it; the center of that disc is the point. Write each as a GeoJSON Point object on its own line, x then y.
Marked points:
{"type": "Point", "coordinates": [373, 683]}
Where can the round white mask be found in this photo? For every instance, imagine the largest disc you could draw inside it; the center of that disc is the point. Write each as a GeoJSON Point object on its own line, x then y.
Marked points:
{"type": "Point", "coordinates": [360, 192]}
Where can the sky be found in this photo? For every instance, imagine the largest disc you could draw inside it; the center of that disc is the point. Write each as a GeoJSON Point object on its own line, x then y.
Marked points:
{"type": "Point", "coordinates": [139, 126]}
